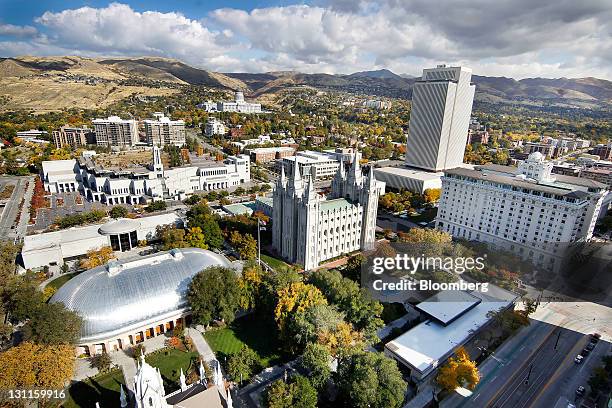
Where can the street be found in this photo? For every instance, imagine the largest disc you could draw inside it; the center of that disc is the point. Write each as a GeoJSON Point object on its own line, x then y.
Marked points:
{"type": "Point", "coordinates": [11, 210]}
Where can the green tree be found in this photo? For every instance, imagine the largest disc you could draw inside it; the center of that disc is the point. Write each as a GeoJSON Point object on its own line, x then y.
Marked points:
{"type": "Point", "coordinates": [156, 206]}
{"type": "Point", "coordinates": [369, 379]}
{"type": "Point", "coordinates": [297, 393]}
{"type": "Point", "coordinates": [22, 299]}
{"type": "Point", "coordinates": [102, 362]}
{"type": "Point", "coordinates": [599, 379]}
{"type": "Point", "coordinates": [200, 216]}
{"type": "Point", "coordinates": [171, 237]}
{"type": "Point", "coordinates": [360, 309]}
{"type": "Point", "coordinates": [243, 364]}
{"type": "Point", "coordinates": [118, 211]}
{"type": "Point", "coordinates": [214, 293]}
{"type": "Point", "coordinates": [306, 325]}
{"type": "Point", "coordinates": [53, 324]}
{"type": "Point", "coordinates": [315, 361]}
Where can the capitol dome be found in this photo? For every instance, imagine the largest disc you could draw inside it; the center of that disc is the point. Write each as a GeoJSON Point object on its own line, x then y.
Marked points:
{"type": "Point", "coordinates": [129, 295]}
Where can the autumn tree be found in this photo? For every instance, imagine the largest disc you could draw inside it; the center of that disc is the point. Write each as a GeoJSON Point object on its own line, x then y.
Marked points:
{"type": "Point", "coordinates": [195, 238]}
{"type": "Point", "coordinates": [97, 257]}
{"type": "Point", "coordinates": [459, 371]}
{"type": "Point", "coordinates": [295, 298]}
{"type": "Point", "coordinates": [101, 361]}
{"type": "Point", "coordinates": [30, 365]}
{"type": "Point", "coordinates": [432, 195]}
{"type": "Point", "coordinates": [214, 293]}
{"type": "Point", "coordinates": [250, 286]}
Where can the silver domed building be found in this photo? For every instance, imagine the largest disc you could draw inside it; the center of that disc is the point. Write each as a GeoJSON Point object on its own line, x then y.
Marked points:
{"type": "Point", "coordinates": [125, 302]}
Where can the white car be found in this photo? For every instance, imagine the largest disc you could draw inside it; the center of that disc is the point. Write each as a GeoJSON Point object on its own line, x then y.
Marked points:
{"type": "Point", "coordinates": [578, 359]}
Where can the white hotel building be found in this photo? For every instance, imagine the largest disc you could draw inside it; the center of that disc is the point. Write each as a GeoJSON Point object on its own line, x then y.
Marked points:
{"type": "Point", "coordinates": [526, 210]}
{"type": "Point", "coordinates": [141, 184]}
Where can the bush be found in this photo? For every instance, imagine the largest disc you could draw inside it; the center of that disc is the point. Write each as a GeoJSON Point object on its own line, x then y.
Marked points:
{"type": "Point", "coordinates": [156, 206]}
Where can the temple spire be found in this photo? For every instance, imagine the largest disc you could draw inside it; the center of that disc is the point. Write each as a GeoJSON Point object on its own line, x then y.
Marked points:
{"type": "Point", "coordinates": [296, 170]}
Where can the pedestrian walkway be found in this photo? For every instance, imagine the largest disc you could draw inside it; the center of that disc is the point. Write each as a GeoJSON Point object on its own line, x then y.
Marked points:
{"type": "Point", "coordinates": [200, 344]}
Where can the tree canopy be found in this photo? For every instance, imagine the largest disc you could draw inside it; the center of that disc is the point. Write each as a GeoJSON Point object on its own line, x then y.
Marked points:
{"type": "Point", "coordinates": [214, 293]}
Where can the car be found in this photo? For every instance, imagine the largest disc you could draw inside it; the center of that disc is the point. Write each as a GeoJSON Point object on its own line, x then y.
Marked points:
{"type": "Point", "coordinates": [595, 337]}
{"type": "Point", "coordinates": [591, 346]}
{"type": "Point", "coordinates": [578, 359]}
{"type": "Point", "coordinates": [422, 224]}
{"type": "Point", "coordinates": [580, 391]}
{"type": "Point", "coordinates": [585, 352]}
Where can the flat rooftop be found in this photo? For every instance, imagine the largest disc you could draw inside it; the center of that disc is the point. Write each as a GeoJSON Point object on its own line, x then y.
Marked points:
{"type": "Point", "coordinates": [408, 172]}
{"type": "Point", "coordinates": [428, 344]}
{"type": "Point", "coordinates": [447, 306]}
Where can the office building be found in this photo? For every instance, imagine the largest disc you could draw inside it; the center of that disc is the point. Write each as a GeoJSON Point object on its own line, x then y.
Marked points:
{"type": "Point", "coordinates": [309, 228]}
{"type": "Point", "coordinates": [527, 210]}
{"type": "Point", "coordinates": [441, 108]}
{"type": "Point", "coordinates": [162, 131]}
{"type": "Point", "coordinates": [115, 132]}
{"type": "Point", "coordinates": [321, 165]}
{"type": "Point", "coordinates": [268, 154]}
{"type": "Point", "coordinates": [74, 138]}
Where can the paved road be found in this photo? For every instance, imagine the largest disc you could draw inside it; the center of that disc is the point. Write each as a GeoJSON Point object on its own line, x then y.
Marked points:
{"type": "Point", "coordinates": [11, 209]}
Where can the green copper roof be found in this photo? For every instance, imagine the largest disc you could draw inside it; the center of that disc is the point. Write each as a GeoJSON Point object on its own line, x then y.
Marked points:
{"type": "Point", "coordinates": [336, 204]}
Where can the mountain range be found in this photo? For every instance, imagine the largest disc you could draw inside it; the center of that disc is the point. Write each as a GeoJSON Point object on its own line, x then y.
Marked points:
{"type": "Point", "coordinates": [51, 83]}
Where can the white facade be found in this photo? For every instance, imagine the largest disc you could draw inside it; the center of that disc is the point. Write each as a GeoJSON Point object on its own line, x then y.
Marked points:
{"type": "Point", "coordinates": [143, 184]}
{"type": "Point", "coordinates": [116, 132]}
{"type": "Point", "coordinates": [239, 105]}
{"type": "Point", "coordinates": [322, 165]}
{"type": "Point", "coordinates": [525, 210]}
{"type": "Point", "coordinates": [53, 248]}
{"type": "Point", "coordinates": [214, 127]}
{"type": "Point", "coordinates": [441, 109]}
{"type": "Point", "coordinates": [309, 228]}
{"type": "Point", "coordinates": [162, 131]}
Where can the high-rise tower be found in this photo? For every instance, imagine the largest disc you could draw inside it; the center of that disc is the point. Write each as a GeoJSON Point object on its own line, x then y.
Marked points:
{"type": "Point", "coordinates": [441, 109]}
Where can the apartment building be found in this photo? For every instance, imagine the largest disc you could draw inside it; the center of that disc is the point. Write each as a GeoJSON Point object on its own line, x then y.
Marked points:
{"type": "Point", "coordinates": [73, 137]}
{"type": "Point", "coordinates": [115, 132]}
{"type": "Point", "coordinates": [163, 131]}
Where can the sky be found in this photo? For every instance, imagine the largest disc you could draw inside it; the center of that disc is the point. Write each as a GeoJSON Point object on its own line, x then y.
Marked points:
{"type": "Point", "coordinates": [512, 38]}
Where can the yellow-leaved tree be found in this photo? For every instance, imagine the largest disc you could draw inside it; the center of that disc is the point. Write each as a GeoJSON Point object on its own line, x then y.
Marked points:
{"type": "Point", "coordinates": [97, 257]}
{"type": "Point", "coordinates": [296, 297]}
{"type": "Point", "coordinates": [459, 371]}
{"type": "Point", "coordinates": [31, 365]}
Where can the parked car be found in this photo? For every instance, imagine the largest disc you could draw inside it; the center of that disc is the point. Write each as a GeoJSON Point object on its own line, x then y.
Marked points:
{"type": "Point", "coordinates": [585, 352]}
{"type": "Point", "coordinates": [578, 359]}
{"type": "Point", "coordinates": [591, 346]}
{"type": "Point", "coordinates": [580, 391]}
{"type": "Point", "coordinates": [595, 337]}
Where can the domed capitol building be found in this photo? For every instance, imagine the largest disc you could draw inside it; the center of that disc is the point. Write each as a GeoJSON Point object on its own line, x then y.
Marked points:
{"type": "Point", "coordinates": [126, 302]}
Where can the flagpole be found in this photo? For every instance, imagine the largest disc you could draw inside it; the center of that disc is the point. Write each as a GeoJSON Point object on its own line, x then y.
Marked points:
{"type": "Point", "coordinates": [258, 244]}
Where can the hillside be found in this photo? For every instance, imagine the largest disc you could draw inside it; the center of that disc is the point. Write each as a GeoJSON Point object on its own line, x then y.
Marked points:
{"type": "Point", "coordinates": [51, 83]}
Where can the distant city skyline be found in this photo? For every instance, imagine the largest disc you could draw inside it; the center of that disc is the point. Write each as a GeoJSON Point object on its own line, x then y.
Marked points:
{"type": "Point", "coordinates": [517, 38]}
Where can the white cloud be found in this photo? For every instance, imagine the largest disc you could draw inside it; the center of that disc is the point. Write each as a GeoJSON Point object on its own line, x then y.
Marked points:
{"type": "Point", "coordinates": [518, 38]}
{"type": "Point", "coordinates": [17, 31]}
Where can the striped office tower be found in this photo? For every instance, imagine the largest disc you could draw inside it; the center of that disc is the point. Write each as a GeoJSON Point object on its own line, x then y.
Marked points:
{"type": "Point", "coordinates": [441, 109]}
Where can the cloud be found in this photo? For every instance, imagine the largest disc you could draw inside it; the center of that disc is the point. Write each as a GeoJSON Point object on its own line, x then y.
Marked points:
{"type": "Point", "coordinates": [514, 38]}
{"type": "Point", "coordinates": [17, 31]}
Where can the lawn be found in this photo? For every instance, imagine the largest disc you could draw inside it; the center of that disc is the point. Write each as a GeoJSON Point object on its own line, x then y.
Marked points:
{"type": "Point", "coordinates": [103, 389]}
{"type": "Point", "coordinates": [59, 282]}
{"type": "Point", "coordinates": [273, 262]}
{"type": "Point", "coordinates": [170, 362]}
{"type": "Point", "coordinates": [249, 330]}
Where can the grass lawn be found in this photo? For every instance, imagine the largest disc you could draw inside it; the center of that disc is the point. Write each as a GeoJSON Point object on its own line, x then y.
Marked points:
{"type": "Point", "coordinates": [273, 262]}
{"type": "Point", "coordinates": [170, 362]}
{"type": "Point", "coordinates": [103, 389]}
{"type": "Point", "coordinates": [59, 282]}
{"type": "Point", "coordinates": [249, 330]}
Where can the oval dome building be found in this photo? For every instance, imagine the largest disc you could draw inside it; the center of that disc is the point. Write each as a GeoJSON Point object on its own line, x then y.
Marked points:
{"type": "Point", "coordinates": [125, 302]}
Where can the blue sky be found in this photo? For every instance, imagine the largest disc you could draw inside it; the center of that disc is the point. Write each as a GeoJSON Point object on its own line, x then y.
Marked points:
{"type": "Point", "coordinates": [515, 38]}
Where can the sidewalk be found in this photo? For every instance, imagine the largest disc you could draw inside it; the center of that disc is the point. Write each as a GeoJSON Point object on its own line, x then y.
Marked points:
{"type": "Point", "coordinates": [200, 344]}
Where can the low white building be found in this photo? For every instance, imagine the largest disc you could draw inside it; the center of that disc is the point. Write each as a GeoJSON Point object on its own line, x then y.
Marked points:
{"type": "Point", "coordinates": [33, 136]}
{"type": "Point", "coordinates": [406, 178]}
{"type": "Point", "coordinates": [54, 248]}
{"type": "Point", "coordinates": [141, 184]}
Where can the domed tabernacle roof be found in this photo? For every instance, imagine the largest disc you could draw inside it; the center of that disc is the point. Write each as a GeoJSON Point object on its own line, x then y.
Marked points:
{"type": "Point", "coordinates": [119, 226]}
{"type": "Point", "coordinates": [125, 295]}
